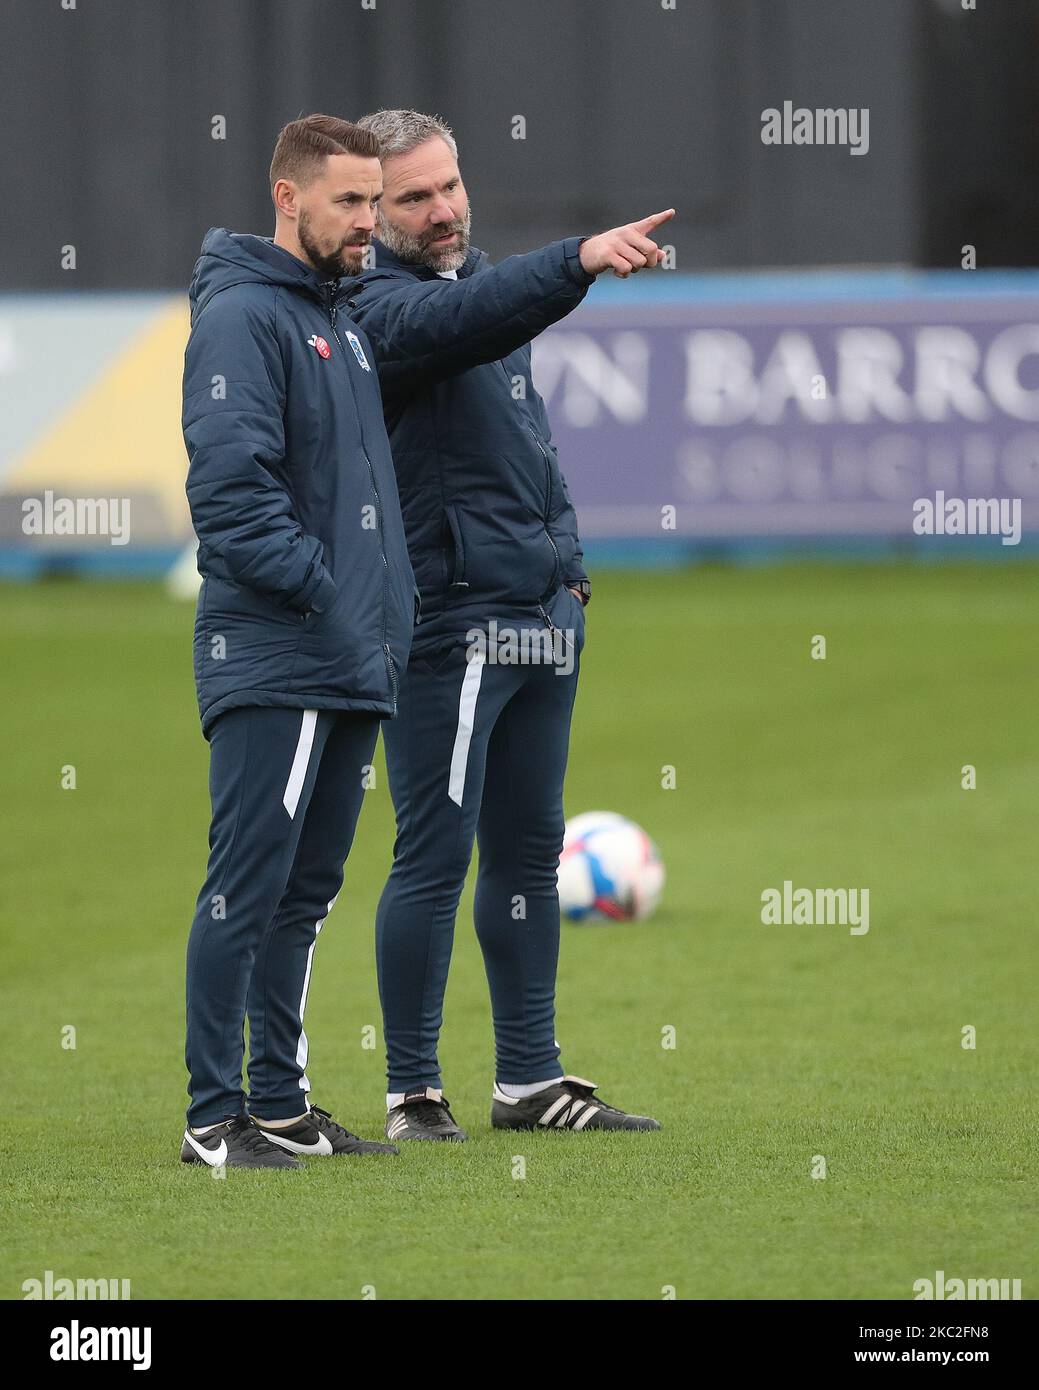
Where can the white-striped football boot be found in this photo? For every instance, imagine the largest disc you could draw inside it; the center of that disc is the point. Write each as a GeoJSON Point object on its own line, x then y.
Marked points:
{"type": "Point", "coordinates": [569, 1103]}
{"type": "Point", "coordinates": [423, 1114]}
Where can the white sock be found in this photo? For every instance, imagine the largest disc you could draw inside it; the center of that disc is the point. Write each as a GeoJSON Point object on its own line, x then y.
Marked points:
{"type": "Point", "coordinates": [198, 1131]}
{"type": "Point", "coordinates": [395, 1097]}
{"type": "Point", "coordinates": [522, 1092]}
{"type": "Point", "coordinates": [282, 1124]}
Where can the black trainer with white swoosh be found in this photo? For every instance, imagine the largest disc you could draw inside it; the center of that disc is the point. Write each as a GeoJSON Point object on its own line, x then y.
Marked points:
{"type": "Point", "coordinates": [234, 1143]}
{"type": "Point", "coordinates": [569, 1104]}
{"type": "Point", "coordinates": [423, 1114]}
{"type": "Point", "coordinates": [318, 1134]}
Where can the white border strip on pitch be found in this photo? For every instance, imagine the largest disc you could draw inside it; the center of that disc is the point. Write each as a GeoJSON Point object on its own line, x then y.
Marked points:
{"type": "Point", "coordinates": [300, 763]}
{"type": "Point", "coordinates": [464, 732]}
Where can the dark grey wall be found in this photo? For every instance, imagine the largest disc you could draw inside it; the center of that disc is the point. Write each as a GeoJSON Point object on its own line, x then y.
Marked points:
{"type": "Point", "coordinates": [107, 108]}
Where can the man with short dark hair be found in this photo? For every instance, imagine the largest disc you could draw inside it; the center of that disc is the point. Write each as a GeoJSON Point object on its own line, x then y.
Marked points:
{"type": "Point", "coordinates": [479, 747]}
{"type": "Point", "coordinates": [304, 623]}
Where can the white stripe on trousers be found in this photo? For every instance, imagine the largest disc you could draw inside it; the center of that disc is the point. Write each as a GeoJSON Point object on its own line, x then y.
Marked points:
{"type": "Point", "coordinates": [464, 732]}
{"type": "Point", "coordinates": [303, 1042]}
{"type": "Point", "coordinates": [300, 763]}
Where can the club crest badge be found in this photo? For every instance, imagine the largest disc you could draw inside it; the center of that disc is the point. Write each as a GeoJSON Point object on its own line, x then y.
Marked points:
{"type": "Point", "coordinates": [355, 343]}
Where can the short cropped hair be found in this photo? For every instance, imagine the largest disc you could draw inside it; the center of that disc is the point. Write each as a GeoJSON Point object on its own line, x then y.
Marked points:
{"type": "Point", "coordinates": [400, 132]}
{"type": "Point", "coordinates": [304, 145]}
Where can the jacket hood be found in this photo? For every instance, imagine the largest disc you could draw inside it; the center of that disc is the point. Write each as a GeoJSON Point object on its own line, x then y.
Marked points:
{"type": "Point", "coordinates": [235, 258]}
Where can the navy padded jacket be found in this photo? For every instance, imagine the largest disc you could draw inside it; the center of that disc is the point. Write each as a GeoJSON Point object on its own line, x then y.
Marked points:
{"type": "Point", "coordinates": [490, 525]}
{"type": "Point", "coordinates": [308, 598]}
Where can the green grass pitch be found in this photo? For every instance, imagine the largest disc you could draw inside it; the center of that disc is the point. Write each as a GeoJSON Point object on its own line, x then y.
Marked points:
{"type": "Point", "coordinates": [790, 1041]}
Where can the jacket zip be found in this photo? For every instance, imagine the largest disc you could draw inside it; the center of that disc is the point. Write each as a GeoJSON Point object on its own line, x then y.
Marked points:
{"type": "Point", "coordinates": [548, 484]}
{"type": "Point", "coordinates": [552, 627]}
{"type": "Point", "coordinates": [387, 654]}
{"type": "Point", "coordinates": [548, 503]}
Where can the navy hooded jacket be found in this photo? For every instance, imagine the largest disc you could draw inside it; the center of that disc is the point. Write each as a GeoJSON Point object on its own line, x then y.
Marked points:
{"type": "Point", "coordinates": [490, 525]}
{"type": "Point", "coordinates": [308, 598]}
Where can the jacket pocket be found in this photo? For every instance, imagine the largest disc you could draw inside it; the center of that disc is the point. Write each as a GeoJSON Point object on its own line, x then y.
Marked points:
{"type": "Point", "coordinates": [458, 584]}
{"type": "Point", "coordinates": [226, 597]}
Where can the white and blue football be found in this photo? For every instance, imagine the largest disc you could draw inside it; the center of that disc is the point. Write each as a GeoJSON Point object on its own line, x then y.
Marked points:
{"type": "Point", "coordinates": [609, 870]}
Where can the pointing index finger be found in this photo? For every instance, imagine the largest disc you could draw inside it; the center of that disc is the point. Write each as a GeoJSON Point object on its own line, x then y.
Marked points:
{"type": "Point", "coordinates": [654, 220]}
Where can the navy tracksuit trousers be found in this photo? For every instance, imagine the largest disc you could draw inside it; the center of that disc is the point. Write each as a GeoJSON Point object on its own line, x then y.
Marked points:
{"type": "Point", "coordinates": [286, 787]}
{"type": "Point", "coordinates": [478, 750]}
